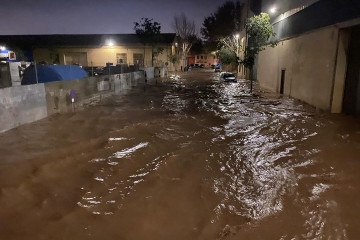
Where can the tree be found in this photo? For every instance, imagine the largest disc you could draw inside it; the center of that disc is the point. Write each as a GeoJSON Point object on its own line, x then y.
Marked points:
{"type": "Point", "coordinates": [259, 30]}
{"type": "Point", "coordinates": [231, 43]}
{"type": "Point", "coordinates": [185, 30]}
{"type": "Point", "coordinates": [226, 55]}
{"type": "Point", "coordinates": [225, 22]}
{"type": "Point", "coordinates": [197, 47]}
{"type": "Point", "coordinates": [149, 32]}
{"type": "Point", "coordinates": [174, 59]}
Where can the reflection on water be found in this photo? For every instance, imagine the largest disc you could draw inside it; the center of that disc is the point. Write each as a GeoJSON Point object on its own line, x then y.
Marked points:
{"type": "Point", "coordinates": [187, 157]}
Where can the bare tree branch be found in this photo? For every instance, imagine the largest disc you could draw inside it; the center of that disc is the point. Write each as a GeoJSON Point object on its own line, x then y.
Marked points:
{"type": "Point", "coordinates": [232, 43]}
{"type": "Point", "coordinates": [186, 31]}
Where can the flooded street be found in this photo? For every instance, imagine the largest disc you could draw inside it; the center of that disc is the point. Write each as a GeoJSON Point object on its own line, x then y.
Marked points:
{"type": "Point", "coordinates": [183, 158]}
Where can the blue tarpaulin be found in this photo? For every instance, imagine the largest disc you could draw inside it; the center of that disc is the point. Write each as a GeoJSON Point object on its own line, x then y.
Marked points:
{"type": "Point", "coordinates": [52, 73]}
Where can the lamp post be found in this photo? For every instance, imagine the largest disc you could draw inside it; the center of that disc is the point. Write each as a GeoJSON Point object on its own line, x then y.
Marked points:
{"type": "Point", "coordinates": [237, 37]}
{"type": "Point", "coordinates": [176, 54]}
{"type": "Point", "coordinates": [110, 44]}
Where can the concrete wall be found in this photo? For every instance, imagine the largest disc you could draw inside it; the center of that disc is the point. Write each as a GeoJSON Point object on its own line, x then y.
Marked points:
{"type": "Point", "coordinates": [150, 72]}
{"type": "Point", "coordinates": [22, 104]}
{"type": "Point", "coordinates": [309, 61]}
{"type": "Point", "coordinates": [25, 104]}
{"type": "Point", "coordinates": [14, 73]}
{"type": "Point", "coordinates": [86, 91]}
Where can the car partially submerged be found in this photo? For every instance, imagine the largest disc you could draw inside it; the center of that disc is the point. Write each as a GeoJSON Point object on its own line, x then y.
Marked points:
{"type": "Point", "coordinates": [228, 77]}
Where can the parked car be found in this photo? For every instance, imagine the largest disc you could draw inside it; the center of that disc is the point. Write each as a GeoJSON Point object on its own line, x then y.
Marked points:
{"type": "Point", "coordinates": [217, 69]}
{"type": "Point", "coordinates": [228, 77]}
{"type": "Point", "coordinates": [202, 65]}
{"type": "Point", "coordinates": [213, 66]}
{"type": "Point", "coordinates": [197, 65]}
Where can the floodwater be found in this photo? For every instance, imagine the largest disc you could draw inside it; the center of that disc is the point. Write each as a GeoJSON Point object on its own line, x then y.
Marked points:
{"type": "Point", "coordinates": [183, 158]}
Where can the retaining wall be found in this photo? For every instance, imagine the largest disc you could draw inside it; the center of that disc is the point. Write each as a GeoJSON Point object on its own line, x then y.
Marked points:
{"type": "Point", "coordinates": [22, 104]}
{"type": "Point", "coordinates": [26, 104]}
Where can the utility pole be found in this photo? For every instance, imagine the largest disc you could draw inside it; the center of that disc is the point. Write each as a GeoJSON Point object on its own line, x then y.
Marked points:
{"type": "Point", "coordinates": [247, 43]}
{"type": "Point", "coordinates": [92, 69]}
{"type": "Point", "coordinates": [36, 73]}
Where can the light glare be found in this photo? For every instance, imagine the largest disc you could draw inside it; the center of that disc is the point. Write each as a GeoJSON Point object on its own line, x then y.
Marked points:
{"type": "Point", "coordinates": [110, 43]}
{"type": "Point", "coordinates": [273, 10]}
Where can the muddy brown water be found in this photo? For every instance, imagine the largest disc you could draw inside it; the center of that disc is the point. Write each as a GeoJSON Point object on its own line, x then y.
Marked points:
{"type": "Point", "coordinates": [188, 158]}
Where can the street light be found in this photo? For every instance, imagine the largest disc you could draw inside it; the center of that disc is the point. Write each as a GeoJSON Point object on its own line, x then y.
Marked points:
{"type": "Point", "coordinates": [2, 48]}
{"type": "Point", "coordinates": [110, 43]}
{"type": "Point", "coordinates": [273, 10]}
{"type": "Point", "coordinates": [237, 36]}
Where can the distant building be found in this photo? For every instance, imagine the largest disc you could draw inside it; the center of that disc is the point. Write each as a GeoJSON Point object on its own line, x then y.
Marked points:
{"type": "Point", "coordinates": [248, 9]}
{"type": "Point", "coordinates": [207, 59]}
{"type": "Point", "coordinates": [317, 58]}
{"type": "Point", "coordinates": [93, 50]}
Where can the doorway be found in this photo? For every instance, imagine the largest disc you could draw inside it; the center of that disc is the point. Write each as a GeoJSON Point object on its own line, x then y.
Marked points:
{"type": "Point", "coordinates": [351, 103]}
{"type": "Point", "coordinates": [282, 83]}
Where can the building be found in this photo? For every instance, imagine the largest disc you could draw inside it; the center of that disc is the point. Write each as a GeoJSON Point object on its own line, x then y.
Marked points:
{"type": "Point", "coordinates": [207, 59]}
{"type": "Point", "coordinates": [248, 10]}
{"type": "Point", "coordinates": [93, 50]}
{"type": "Point", "coordinates": [317, 58]}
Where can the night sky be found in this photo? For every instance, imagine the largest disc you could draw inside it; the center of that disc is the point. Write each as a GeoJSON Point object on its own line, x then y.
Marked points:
{"type": "Point", "coordinates": [95, 16]}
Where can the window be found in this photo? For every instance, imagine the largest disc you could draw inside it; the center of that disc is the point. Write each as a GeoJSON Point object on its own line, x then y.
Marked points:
{"type": "Point", "coordinates": [197, 57]}
{"type": "Point", "coordinates": [202, 57]}
{"type": "Point", "coordinates": [121, 58]}
{"type": "Point", "coordinates": [214, 57]}
{"type": "Point", "coordinates": [138, 59]}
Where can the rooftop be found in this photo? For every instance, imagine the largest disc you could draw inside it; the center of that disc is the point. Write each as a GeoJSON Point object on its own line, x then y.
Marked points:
{"type": "Point", "coordinates": [80, 40]}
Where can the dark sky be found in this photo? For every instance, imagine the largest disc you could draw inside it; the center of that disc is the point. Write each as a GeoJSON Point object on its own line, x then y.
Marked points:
{"type": "Point", "coordinates": [95, 16]}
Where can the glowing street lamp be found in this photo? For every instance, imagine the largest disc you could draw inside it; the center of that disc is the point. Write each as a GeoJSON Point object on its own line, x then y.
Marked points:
{"type": "Point", "coordinates": [2, 48]}
{"type": "Point", "coordinates": [273, 10]}
{"type": "Point", "coordinates": [110, 43]}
